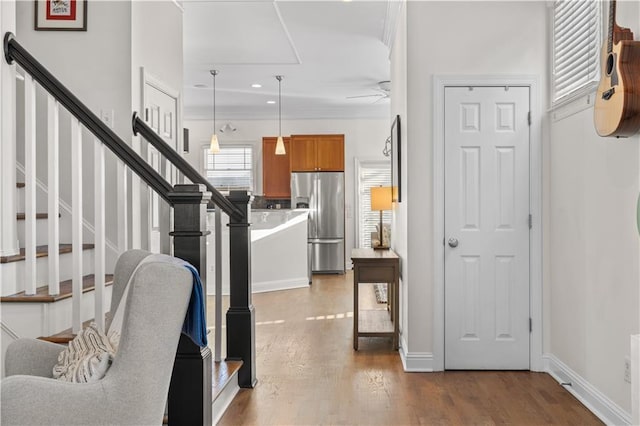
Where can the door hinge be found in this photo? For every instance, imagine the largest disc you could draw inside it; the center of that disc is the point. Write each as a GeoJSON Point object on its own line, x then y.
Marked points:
{"type": "Point", "coordinates": [530, 325]}
{"type": "Point", "coordinates": [529, 118]}
{"type": "Point", "coordinates": [530, 221]}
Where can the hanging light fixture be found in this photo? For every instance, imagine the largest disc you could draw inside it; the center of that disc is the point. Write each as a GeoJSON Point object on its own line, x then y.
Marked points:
{"type": "Point", "coordinates": [280, 143]}
{"type": "Point", "coordinates": [214, 148]}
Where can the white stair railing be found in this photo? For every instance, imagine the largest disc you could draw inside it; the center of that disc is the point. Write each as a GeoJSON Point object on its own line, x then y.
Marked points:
{"type": "Point", "coordinates": [85, 120]}
{"type": "Point", "coordinates": [32, 273]}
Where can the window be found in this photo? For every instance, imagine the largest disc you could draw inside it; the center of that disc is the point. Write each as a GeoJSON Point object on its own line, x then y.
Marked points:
{"type": "Point", "coordinates": [370, 173]}
{"type": "Point", "coordinates": [231, 168]}
{"type": "Point", "coordinates": [577, 36]}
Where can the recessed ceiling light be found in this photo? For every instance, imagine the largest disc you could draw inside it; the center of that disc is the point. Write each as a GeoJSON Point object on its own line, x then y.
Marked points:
{"type": "Point", "coordinates": [200, 86]}
{"type": "Point", "coordinates": [256, 85]}
{"type": "Point", "coordinates": [271, 102]}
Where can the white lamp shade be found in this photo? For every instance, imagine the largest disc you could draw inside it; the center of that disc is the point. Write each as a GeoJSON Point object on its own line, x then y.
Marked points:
{"type": "Point", "coordinates": [214, 148]}
{"type": "Point", "coordinates": [280, 146]}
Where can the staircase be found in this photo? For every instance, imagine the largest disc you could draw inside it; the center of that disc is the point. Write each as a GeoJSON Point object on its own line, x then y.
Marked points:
{"type": "Point", "coordinates": [44, 312]}
{"type": "Point", "coordinates": [59, 278]}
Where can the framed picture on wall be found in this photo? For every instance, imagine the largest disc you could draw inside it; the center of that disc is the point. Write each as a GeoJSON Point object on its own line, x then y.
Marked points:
{"type": "Point", "coordinates": [396, 180]}
{"type": "Point", "coordinates": [61, 15]}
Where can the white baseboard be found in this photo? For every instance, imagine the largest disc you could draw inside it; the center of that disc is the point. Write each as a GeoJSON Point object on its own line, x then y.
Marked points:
{"type": "Point", "coordinates": [635, 378]}
{"type": "Point", "coordinates": [264, 286]}
{"type": "Point", "coordinates": [416, 362]}
{"type": "Point", "coordinates": [261, 287]}
{"type": "Point", "coordinates": [605, 409]}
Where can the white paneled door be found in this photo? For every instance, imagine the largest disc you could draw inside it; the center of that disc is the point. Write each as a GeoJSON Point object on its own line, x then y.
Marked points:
{"type": "Point", "coordinates": [486, 228]}
{"type": "Point", "coordinates": [161, 114]}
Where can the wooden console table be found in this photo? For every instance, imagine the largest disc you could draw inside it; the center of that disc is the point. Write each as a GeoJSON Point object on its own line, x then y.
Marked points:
{"type": "Point", "coordinates": [376, 266]}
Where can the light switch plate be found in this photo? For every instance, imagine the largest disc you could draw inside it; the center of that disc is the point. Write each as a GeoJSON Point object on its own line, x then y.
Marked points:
{"type": "Point", "coordinates": [106, 115]}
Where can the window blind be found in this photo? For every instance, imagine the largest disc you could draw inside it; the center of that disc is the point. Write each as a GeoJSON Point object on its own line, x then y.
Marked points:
{"type": "Point", "coordinates": [230, 169]}
{"type": "Point", "coordinates": [371, 175]}
{"type": "Point", "coordinates": [577, 36]}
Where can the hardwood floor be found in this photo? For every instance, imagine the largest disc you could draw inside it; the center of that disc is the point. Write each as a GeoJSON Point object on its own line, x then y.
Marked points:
{"type": "Point", "coordinates": [309, 374]}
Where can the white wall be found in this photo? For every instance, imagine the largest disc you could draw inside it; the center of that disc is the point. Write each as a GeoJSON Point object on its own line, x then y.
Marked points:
{"type": "Point", "coordinates": [364, 138]}
{"type": "Point", "coordinates": [590, 187]}
{"type": "Point", "coordinates": [158, 49]}
{"type": "Point", "coordinates": [448, 38]}
{"type": "Point", "coordinates": [594, 250]}
{"type": "Point", "coordinates": [95, 65]}
{"type": "Point", "coordinates": [8, 239]}
{"type": "Point", "coordinates": [102, 68]}
{"type": "Point", "coordinates": [399, 107]}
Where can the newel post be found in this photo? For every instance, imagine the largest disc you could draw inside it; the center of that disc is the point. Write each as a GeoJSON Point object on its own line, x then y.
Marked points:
{"type": "Point", "coordinates": [241, 342]}
{"type": "Point", "coordinates": [190, 393]}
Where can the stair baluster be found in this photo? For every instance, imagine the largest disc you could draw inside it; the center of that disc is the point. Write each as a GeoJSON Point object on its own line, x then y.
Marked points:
{"type": "Point", "coordinates": [122, 205]}
{"type": "Point", "coordinates": [30, 167]}
{"type": "Point", "coordinates": [76, 222]}
{"type": "Point", "coordinates": [99, 232]}
{"type": "Point", "coordinates": [136, 214]}
{"type": "Point", "coordinates": [53, 193]}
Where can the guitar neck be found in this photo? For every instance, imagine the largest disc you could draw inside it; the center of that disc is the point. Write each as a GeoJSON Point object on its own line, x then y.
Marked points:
{"type": "Point", "coordinates": [612, 23]}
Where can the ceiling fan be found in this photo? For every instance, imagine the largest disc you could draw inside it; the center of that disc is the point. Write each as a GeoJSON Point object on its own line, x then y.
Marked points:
{"type": "Point", "coordinates": [384, 89]}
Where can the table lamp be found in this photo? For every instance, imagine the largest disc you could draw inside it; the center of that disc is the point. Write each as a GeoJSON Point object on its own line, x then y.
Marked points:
{"type": "Point", "coordinates": [380, 201]}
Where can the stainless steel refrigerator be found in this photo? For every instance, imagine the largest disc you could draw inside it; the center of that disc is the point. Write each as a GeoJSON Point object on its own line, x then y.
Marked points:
{"type": "Point", "coordinates": [323, 194]}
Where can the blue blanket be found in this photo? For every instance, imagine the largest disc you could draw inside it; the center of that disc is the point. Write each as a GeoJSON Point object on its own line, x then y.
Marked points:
{"type": "Point", "coordinates": [195, 322]}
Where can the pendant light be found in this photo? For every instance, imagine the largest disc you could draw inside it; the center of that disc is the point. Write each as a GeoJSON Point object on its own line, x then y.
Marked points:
{"type": "Point", "coordinates": [280, 143]}
{"type": "Point", "coordinates": [214, 148]}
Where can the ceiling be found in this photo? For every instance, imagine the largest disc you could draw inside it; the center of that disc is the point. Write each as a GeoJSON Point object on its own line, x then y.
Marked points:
{"type": "Point", "coordinates": [326, 51]}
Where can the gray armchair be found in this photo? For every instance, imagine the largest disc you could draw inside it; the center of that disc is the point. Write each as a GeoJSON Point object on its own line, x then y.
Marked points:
{"type": "Point", "coordinates": [134, 389]}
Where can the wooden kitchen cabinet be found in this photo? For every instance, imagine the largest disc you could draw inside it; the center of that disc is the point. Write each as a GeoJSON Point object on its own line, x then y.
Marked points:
{"type": "Point", "coordinates": [321, 153]}
{"type": "Point", "coordinates": [276, 169]}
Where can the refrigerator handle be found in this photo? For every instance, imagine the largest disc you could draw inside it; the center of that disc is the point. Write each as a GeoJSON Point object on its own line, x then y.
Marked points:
{"type": "Point", "coordinates": [319, 207]}
{"type": "Point", "coordinates": [325, 241]}
{"type": "Point", "coordinates": [313, 216]}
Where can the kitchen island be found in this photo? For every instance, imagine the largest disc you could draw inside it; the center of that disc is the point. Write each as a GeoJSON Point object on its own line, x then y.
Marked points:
{"type": "Point", "coordinates": [279, 257]}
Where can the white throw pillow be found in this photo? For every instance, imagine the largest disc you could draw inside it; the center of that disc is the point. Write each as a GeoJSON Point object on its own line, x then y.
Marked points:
{"type": "Point", "coordinates": [88, 356]}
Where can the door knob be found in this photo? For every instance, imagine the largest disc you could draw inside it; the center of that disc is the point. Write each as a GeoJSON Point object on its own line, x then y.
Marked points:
{"type": "Point", "coordinates": [453, 242]}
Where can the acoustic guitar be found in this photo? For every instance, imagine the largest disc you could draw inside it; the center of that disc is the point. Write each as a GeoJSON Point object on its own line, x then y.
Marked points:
{"type": "Point", "coordinates": [617, 106]}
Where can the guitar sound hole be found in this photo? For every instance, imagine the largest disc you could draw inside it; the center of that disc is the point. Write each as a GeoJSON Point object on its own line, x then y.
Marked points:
{"type": "Point", "coordinates": [610, 63]}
